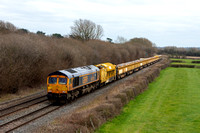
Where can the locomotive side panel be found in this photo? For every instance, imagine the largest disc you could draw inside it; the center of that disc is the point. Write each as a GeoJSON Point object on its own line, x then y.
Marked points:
{"type": "Point", "coordinates": [83, 80]}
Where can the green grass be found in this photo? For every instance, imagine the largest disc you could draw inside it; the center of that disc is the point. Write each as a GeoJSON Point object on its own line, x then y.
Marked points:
{"type": "Point", "coordinates": [186, 62]}
{"type": "Point", "coordinates": [171, 104]}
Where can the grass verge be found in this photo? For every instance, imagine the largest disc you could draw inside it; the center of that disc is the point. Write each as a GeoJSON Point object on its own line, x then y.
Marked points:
{"type": "Point", "coordinates": [171, 104]}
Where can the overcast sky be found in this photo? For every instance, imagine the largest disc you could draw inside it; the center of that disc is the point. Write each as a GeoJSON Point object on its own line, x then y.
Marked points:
{"type": "Point", "coordinates": [164, 22]}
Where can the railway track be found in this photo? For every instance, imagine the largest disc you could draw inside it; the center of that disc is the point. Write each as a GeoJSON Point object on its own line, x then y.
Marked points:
{"type": "Point", "coordinates": [15, 114]}
{"type": "Point", "coordinates": [17, 101]}
{"type": "Point", "coordinates": [19, 106]}
{"type": "Point", "coordinates": [27, 118]}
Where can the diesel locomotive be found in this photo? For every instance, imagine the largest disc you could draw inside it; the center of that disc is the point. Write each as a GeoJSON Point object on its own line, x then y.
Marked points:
{"type": "Point", "coordinates": [66, 85]}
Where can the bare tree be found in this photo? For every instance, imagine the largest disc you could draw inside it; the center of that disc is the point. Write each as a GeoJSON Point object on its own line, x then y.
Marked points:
{"type": "Point", "coordinates": [7, 25]}
{"type": "Point", "coordinates": [86, 30]}
{"type": "Point", "coordinates": [120, 40]}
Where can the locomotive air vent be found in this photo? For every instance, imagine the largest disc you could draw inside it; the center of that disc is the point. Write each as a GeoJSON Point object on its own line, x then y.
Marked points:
{"type": "Point", "coordinates": [71, 71]}
{"type": "Point", "coordinates": [86, 67]}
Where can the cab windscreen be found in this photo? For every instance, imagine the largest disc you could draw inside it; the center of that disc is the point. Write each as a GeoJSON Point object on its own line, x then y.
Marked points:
{"type": "Point", "coordinates": [52, 80]}
{"type": "Point", "coordinates": [62, 81]}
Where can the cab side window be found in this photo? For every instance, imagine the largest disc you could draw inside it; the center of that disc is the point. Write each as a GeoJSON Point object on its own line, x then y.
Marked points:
{"type": "Point", "coordinates": [76, 81]}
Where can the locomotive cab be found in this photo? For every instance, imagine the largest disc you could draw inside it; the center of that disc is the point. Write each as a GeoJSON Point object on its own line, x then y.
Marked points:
{"type": "Point", "coordinates": [57, 87]}
{"type": "Point", "coordinates": [66, 85]}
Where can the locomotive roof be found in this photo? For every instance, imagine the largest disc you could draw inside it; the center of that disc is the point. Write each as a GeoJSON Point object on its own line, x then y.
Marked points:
{"type": "Point", "coordinates": [75, 72]}
{"type": "Point", "coordinates": [108, 66]}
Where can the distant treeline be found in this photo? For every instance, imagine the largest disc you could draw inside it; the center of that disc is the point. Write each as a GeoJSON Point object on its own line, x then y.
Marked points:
{"type": "Point", "coordinates": [27, 58]}
{"type": "Point", "coordinates": [179, 51]}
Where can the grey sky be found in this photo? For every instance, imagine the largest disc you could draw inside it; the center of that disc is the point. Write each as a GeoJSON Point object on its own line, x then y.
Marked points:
{"type": "Point", "coordinates": [164, 22]}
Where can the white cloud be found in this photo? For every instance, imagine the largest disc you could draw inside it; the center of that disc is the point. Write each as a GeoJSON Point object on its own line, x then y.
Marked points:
{"type": "Point", "coordinates": [171, 22]}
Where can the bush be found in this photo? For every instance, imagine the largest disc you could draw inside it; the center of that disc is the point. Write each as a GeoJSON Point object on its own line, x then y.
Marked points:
{"type": "Point", "coordinates": [178, 61]}
{"type": "Point", "coordinates": [27, 59]}
{"type": "Point", "coordinates": [182, 65]}
{"type": "Point", "coordinates": [195, 61]}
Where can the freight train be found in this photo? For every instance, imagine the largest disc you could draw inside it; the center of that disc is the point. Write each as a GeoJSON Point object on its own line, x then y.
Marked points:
{"type": "Point", "coordinates": [66, 85]}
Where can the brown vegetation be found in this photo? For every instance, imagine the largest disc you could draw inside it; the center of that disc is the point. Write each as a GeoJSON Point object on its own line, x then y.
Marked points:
{"type": "Point", "coordinates": [184, 65]}
{"type": "Point", "coordinates": [193, 57]}
{"type": "Point", "coordinates": [196, 62]}
{"type": "Point", "coordinates": [26, 59]}
{"type": "Point", "coordinates": [107, 106]}
{"type": "Point", "coordinates": [178, 61]}
{"type": "Point", "coordinates": [176, 52]}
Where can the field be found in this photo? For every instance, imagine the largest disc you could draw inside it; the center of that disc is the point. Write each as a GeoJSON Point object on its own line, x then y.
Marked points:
{"type": "Point", "coordinates": [184, 62]}
{"type": "Point", "coordinates": [171, 104]}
